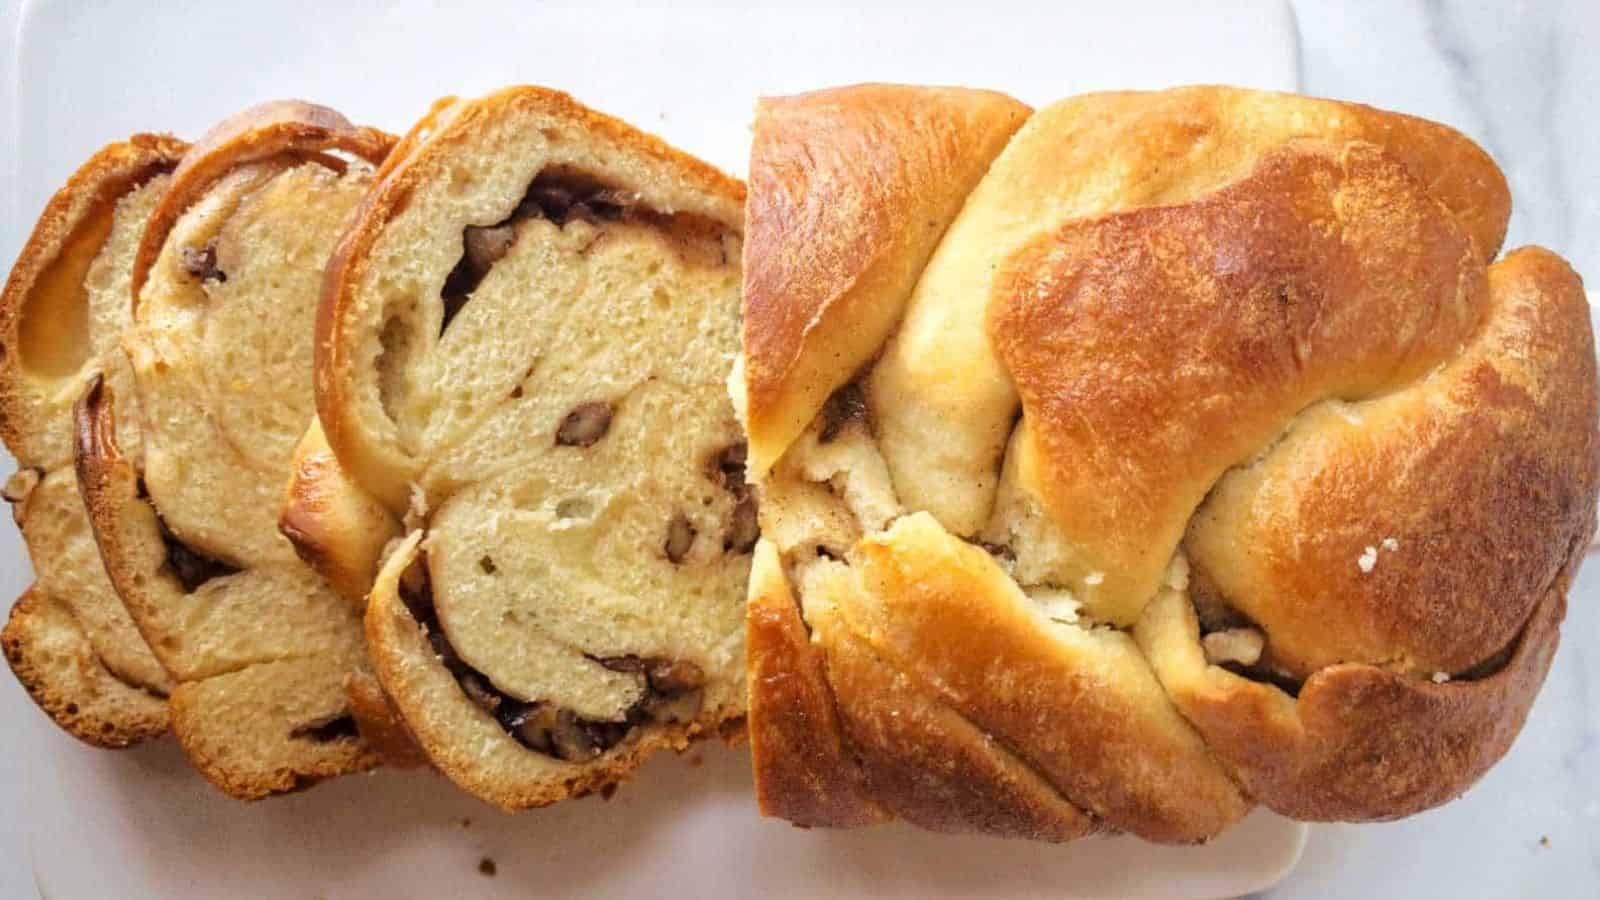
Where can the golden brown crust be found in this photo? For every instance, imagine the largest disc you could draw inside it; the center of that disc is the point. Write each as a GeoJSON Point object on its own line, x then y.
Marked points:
{"type": "Point", "coordinates": [1361, 742]}
{"type": "Point", "coordinates": [49, 654]}
{"type": "Point", "coordinates": [335, 528]}
{"type": "Point", "coordinates": [1252, 331]}
{"type": "Point", "coordinates": [95, 186]}
{"type": "Point", "coordinates": [1448, 584]}
{"type": "Point", "coordinates": [380, 725]}
{"type": "Point", "coordinates": [1089, 716]}
{"type": "Point", "coordinates": [1135, 149]}
{"type": "Point", "coordinates": [259, 132]}
{"type": "Point", "coordinates": [1323, 273]}
{"type": "Point", "coordinates": [803, 771]}
{"type": "Point", "coordinates": [48, 648]}
{"type": "Point", "coordinates": [416, 158]}
{"type": "Point", "coordinates": [929, 765]}
{"type": "Point", "coordinates": [851, 189]}
{"type": "Point", "coordinates": [97, 459]}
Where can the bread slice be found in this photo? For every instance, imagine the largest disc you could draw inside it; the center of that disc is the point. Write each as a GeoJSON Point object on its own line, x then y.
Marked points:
{"type": "Point", "coordinates": [68, 639]}
{"type": "Point", "coordinates": [521, 354]}
{"type": "Point", "coordinates": [225, 285]}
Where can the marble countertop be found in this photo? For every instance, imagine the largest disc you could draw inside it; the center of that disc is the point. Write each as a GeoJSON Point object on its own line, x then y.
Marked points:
{"type": "Point", "coordinates": [1520, 79]}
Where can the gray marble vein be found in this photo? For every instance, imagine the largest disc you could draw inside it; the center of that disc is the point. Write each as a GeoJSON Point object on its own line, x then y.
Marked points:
{"type": "Point", "coordinates": [1523, 79]}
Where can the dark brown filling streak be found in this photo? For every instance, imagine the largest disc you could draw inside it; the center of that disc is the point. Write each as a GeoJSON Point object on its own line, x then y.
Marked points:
{"type": "Point", "coordinates": [192, 569]}
{"type": "Point", "coordinates": [561, 195]}
{"type": "Point", "coordinates": [340, 727]}
{"type": "Point", "coordinates": [726, 469]}
{"type": "Point", "coordinates": [673, 692]}
{"type": "Point", "coordinates": [673, 688]}
{"type": "Point", "coordinates": [189, 566]}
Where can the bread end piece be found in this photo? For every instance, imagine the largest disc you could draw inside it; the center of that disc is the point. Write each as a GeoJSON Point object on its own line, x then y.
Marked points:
{"type": "Point", "coordinates": [50, 337]}
{"type": "Point", "coordinates": [270, 728]}
{"type": "Point", "coordinates": [48, 652]}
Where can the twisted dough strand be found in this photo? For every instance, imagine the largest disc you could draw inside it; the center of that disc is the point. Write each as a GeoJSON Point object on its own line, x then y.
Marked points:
{"type": "Point", "coordinates": [1250, 331]}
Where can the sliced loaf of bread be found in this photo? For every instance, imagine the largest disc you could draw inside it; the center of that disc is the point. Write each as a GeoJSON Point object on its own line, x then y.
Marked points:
{"type": "Point", "coordinates": [68, 638]}
{"type": "Point", "coordinates": [521, 355]}
{"type": "Point", "coordinates": [225, 285]}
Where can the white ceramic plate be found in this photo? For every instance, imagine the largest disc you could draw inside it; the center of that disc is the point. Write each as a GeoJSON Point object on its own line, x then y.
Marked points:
{"type": "Point", "coordinates": [140, 824]}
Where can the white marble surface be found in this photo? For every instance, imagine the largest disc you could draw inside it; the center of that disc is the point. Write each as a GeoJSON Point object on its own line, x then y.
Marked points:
{"type": "Point", "coordinates": [1523, 79]}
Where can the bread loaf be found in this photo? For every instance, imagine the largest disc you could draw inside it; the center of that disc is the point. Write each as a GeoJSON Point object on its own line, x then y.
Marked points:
{"type": "Point", "coordinates": [1152, 455]}
{"type": "Point", "coordinates": [225, 285]}
{"type": "Point", "coordinates": [65, 306]}
{"type": "Point", "coordinates": [522, 354]}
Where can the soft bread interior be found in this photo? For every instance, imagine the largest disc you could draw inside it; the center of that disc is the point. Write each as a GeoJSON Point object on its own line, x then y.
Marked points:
{"type": "Point", "coordinates": [623, 546]}
{"type": "Point", "coordinates": [221, 350]}
{"type": "Point", "coordinates": [71, 324]}
{"type": "Point", "coordinates": [51, 514]}
{"type": "Point", "coordinates": [57, 531]}
{"type": "Point", "coordinates": [69, 638]}
{"type": "Point", "coordinates": [224, 371]}
{"type": "Point", "coordinates": [541, 333]}
{"type": "Point", "coordinates": [51, 655]}
{"type": "Point", "coordinates": [408, 394]}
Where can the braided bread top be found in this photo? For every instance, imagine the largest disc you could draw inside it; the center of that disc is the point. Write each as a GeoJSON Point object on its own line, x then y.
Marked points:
{"type": "Point", "coordinates": [1153, 454]}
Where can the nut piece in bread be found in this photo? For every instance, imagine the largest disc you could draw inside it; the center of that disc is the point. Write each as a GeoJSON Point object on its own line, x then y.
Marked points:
{"type": "Point", "coordinates": [1202, 436]}
{"type": "Point", "coordinates": [522, 355]}
{"type": "Point", "coordinates": [65, 306]}
{"type": "Point", "coordinates": [225, 287]}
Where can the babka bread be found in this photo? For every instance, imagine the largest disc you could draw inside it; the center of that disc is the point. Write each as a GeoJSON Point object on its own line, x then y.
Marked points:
{"type": "Point", "coordinates": [65, 305]}
{"type": "Point", "coordinates": [522, 354]}
{"type": "Point", "coordinates": [1147, 457]}
{"type": "Point", "coordinates": [225, 285]}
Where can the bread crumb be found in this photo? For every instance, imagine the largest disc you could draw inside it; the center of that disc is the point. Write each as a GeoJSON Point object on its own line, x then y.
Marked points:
{"type": "Point", "coordinates": [1441, 677]}
{"type": "Point", "coordinates": [20, 485]}
{"type": "Point", "coordinates": [417, 510]}
{"type": "Point", "coordinates": [1178, 572]}
{"type": "Point", "coordinates": [1056, 604]}
{"type": "Point", "coordinates": [1544, 840]}
{"type": "Point", "coordinates": [1235, 645]}
{"type": "Point", "coordinates": [487, 867]}
{"type": "Point", "coordinates": [1368, 559]}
